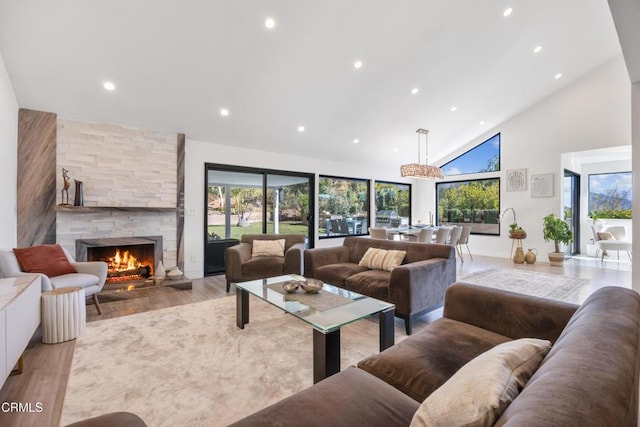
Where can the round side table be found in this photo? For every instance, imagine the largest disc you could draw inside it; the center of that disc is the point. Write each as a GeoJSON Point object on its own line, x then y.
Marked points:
{"type": "Point", "coordinates": [64, 314]}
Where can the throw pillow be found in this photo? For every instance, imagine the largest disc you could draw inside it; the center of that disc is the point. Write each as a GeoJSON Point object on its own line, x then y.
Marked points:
{"type": "Point", "coordinates": [267, 248]}
{"type": "Point", "coordinates": [482, 389]}
{"type": "Point", "coordinates": [382, 259]}
{"type": "Point", "coordinates": [605, 235]}
{"type": "Point", "coordinates": [49, 260]}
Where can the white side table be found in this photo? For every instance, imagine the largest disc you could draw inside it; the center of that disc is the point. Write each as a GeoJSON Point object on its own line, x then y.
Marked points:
{"type": "Point", "coordinates": [64, 314]}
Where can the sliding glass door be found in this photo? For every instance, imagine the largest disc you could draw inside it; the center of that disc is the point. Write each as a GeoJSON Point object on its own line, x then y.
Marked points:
{"type": "Point", "coordinates": [288, 204]}
{"type": "Point", "coordinates": [571, 203]}
{"type": "Point", "coordinates": [241, 201]}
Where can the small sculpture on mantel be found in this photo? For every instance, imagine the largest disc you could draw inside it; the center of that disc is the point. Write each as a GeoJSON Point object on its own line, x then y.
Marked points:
{"type": "Point", "coordinates": [65, 188]}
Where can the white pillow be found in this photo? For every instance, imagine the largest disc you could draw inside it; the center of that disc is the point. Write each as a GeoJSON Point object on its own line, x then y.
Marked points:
{"type": "Point", "coordinates": [382, 259]}
{"type": "Point", "coordinates": [481, 390]}
{"type": "Point", "coordinates": [267, 248]}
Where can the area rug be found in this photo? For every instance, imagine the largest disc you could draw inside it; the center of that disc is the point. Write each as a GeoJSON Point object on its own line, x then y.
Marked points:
{"type": "Point", "coordinates": [544, 285]}
{"type": "Point", "coordinates": [191, 365]}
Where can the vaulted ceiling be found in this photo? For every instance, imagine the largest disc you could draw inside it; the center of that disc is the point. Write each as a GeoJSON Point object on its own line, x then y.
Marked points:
{"type": "Point", "coordinates": [175, 64]}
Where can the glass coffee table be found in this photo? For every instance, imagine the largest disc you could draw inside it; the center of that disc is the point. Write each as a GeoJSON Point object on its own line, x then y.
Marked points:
{"type": "Point", "coordinates": [326, 312]}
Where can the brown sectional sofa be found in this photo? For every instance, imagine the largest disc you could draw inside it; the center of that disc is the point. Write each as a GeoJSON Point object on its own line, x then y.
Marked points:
{"type": "Point", "coordinates": [417, 286]}
{"type": "Point", "coordinates": [589, 378]}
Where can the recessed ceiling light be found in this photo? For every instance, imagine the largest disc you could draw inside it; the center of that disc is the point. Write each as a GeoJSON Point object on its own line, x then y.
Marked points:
{"type": "Point", "coordinates": [357, 64]}
{"type": "Point", "coordinates": [109, 86]}
{"type": "Point", "coordinates": [269, 23]}
{"type": "Point", "coordinates": [301, 129]}
{"type": "Point", "coordinates": [481, 122]}
{"type": "Point", "coordinates": [224, 112]}
{"type": "Point", "coordinates": [355, 141]}
{"type": "Point", "coordinates": [395, 150]}
{"type": "Point", "coordinates": [414, 91]}
{"type": "Point", "coordinates": [452, 109]}
{"type": "Point", "coordinates": [557, 76]}
{"type": "Point", "coordinates": [508, 11]}
{"type": "Point", "coordinates": [537, 49]}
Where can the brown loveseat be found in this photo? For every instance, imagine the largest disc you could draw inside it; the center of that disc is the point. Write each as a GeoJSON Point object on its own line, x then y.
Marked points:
{"type": "Point", "coordinates": [241, 266]}
{"type": "Point", "coordinates": [589, 378]}
{"type": "Point", "coordinates": [415, 287]}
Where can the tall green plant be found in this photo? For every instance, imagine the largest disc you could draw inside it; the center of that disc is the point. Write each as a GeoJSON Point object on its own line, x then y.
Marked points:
{"type": "Point", "coordinates": [556, 230]}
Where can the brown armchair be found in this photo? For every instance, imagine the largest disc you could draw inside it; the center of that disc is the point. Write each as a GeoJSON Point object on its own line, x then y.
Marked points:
{"type": "Point", "coordinates": [242, 266]}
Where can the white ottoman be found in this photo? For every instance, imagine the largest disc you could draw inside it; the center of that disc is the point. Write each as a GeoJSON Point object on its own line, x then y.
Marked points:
{"type": "Point", "coordinates": [64, 314]}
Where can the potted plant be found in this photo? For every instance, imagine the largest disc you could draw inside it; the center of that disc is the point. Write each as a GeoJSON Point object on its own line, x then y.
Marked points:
{"type": "Point", "coordinates": [516, 232]}
{"type": "Point", "coordinates": [556, 230]}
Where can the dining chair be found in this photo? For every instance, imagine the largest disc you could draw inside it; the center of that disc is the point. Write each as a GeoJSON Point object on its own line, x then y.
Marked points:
{"type": "Point", "coordinates": [464, 240]}
{"type": "Point", "coordinates": [378, 233]}
{"type": "Point", "coordinates": [454, 236]}
{"type": "Point", "coordinates": [426, 235]}
{"type": "Point", "coordinates": [442, 234]}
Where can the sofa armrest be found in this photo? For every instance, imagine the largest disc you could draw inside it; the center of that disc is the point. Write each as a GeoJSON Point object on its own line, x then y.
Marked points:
{"type": "Point", "coordinates": [97, 268]}
{"type": "Point", "coordinates": [315, 258]}
{"type": "Point", "coordinates": [293, 259]}
{"type": "Point", "coordinates": [234, 257]}
{"type": "Point", "coordinates": [420, 285]}
{"type": "Point", "coordinates": [507, 313]}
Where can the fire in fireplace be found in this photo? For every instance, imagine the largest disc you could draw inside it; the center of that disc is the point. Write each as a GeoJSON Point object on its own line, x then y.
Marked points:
{"type": "Point", "coordinates": [129, 259]}
{"type": "Point", "coordinates": [125, 264]}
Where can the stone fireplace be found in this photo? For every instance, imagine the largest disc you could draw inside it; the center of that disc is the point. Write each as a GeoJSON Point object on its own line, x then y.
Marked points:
{"type": "Point", "coordinates": [129, 259]}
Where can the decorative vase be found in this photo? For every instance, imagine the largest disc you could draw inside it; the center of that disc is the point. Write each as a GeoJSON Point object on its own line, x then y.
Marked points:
{"type": "Point", "coordinates": [160, 271]}
{"type": "Point", "coordinates": [518, 257]}
{"type": "Point", "coordinates": [530, 257]}
{"type": "Point", "coordinates": [556, 258]}
{"type": "Point", "coordinates": [79, 199]}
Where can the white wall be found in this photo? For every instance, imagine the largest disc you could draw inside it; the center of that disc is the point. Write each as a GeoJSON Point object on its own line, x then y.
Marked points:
{"type": "Point", "coordinates": [198, 153]}
{"type": "Point", "coordinates": [635, 97]}
{"type": "Point", "coordinates": [8, 162]}
{"type": "Point", "coordinates": [592, 112]}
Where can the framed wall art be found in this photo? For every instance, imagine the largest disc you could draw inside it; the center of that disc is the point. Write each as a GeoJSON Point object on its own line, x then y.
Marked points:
{"type": "Point", "coordinates": [517, 180]}
{"type": "Point", "coordinates": [542, 185]}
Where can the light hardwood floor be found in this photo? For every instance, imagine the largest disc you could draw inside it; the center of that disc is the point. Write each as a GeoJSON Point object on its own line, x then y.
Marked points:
{"type": "Point", "coordinates": [47, 367]}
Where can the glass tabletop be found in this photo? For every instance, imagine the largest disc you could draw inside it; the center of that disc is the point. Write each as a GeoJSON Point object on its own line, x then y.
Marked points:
{"type": "Point", "coordinates": [353, 307]}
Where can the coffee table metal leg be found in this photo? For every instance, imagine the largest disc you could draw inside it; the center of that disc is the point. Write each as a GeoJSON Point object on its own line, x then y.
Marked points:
{"type": "Point", "coordinates": [326, 354]}
{"type": "Point", "coordinates": [387, 338]}
{"type": "Point", "coordinates": [242, 307]}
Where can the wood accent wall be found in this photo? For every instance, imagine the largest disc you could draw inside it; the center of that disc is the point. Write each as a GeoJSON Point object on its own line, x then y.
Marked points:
{"type": "Point", "coordinates": [36, 177]}
{"type": "Point", "coordinates": [180, 202]}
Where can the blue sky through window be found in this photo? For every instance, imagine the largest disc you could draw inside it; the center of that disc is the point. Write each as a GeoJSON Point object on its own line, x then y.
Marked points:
{"type": "Point", "coordinates": [479, 159]}
{"type": "Point", "coordinates": [610, 191]}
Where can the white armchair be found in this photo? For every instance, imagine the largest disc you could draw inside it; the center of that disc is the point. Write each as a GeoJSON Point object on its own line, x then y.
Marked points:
{"type": "Point", "coordinates": [611, 238]}
{"type": "Point", "coordinates": [90, 275]}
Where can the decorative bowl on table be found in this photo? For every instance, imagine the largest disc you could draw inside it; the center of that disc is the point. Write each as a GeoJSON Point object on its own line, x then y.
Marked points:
{"type": "Point", "coordinates": [311, 286]}
{"type": "Point", "coordinates": [290, 286]}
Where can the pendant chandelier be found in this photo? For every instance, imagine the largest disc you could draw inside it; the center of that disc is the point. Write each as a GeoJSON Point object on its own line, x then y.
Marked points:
{"type": "Point", "coordinates": [418, 170]}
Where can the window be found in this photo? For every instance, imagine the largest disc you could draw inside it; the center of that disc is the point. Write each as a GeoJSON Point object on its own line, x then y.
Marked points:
{"type": "Point", "coordinates": [482, 158]}
{"type": "Point", "coordinates": [393, 204]}
{"type": "Point", "coordinates": [473, 202]}
{"type": "Point", "coordinates": [610, 195]}
{"type": "Point", "coordinates": [343, 205]}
